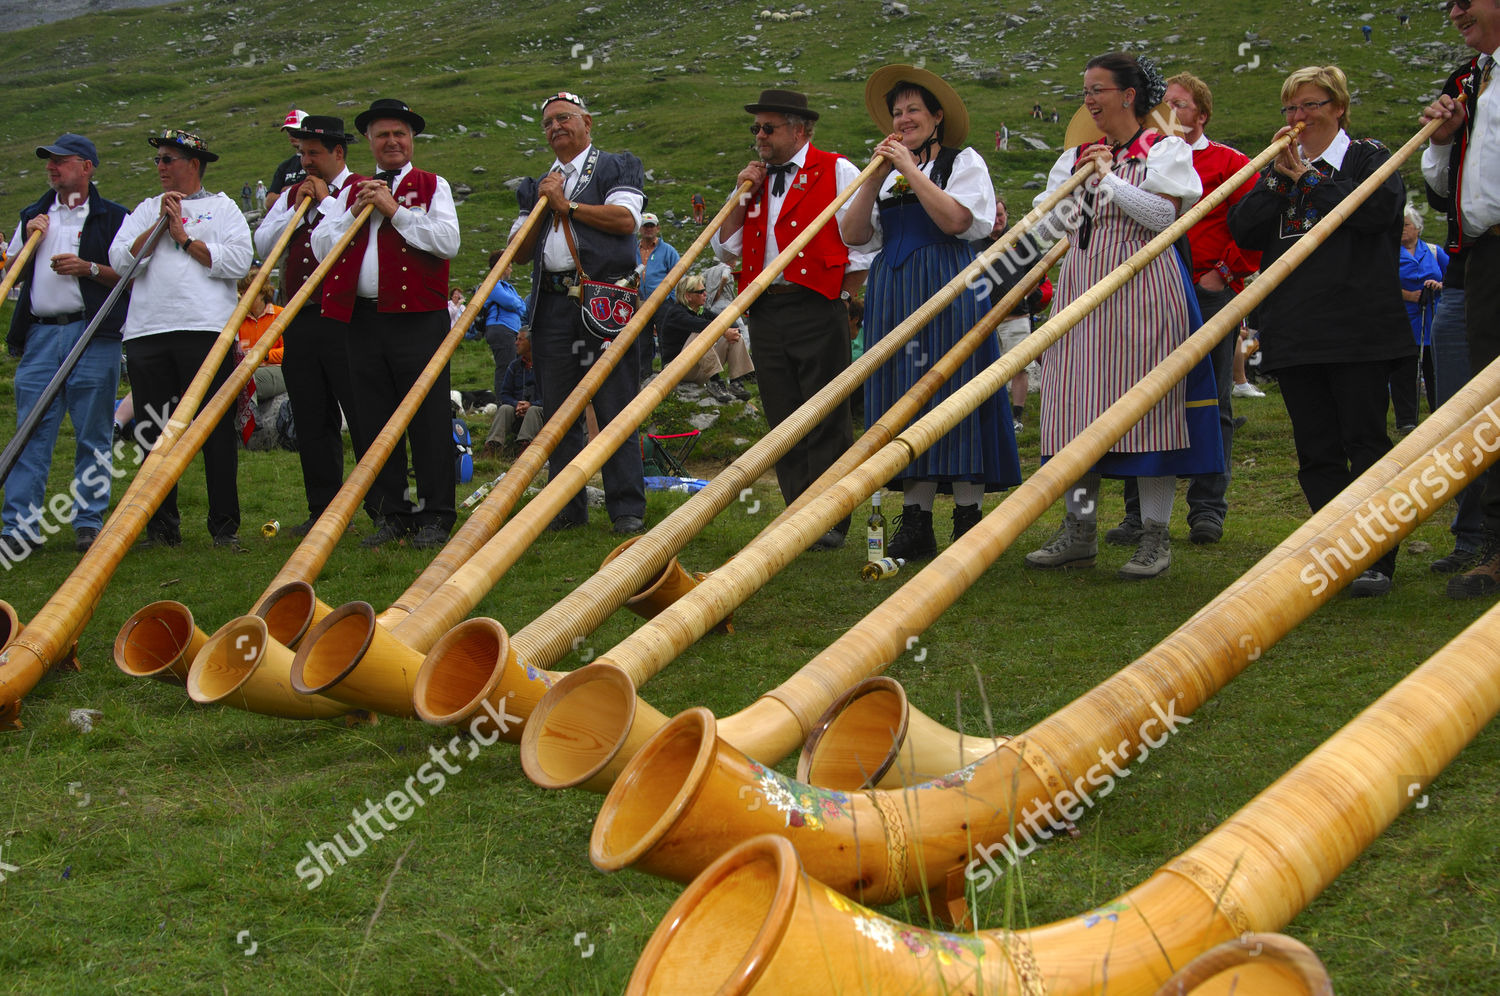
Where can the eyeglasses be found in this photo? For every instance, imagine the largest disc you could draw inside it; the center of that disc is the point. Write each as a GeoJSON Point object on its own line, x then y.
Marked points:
{"type": "Point", "coordinates": [765, 127]}
{"type": "Point", "coordinates": [1095, 91]}
{"type": "Point", "coordinates": [1447, 8]}
{"type": "Point", "coordinates": [1306, 107]}
{"type": "Point", "coordinates": [558, 120]}
{"type": "Point", "coordinates": [168, 160]}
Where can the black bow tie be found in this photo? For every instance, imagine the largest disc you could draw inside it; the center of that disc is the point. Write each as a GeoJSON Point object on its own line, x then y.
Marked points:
{"type": "Point", "coordinates": [388, 177]}
{"type": "Point", "coordinates": [780, 173]}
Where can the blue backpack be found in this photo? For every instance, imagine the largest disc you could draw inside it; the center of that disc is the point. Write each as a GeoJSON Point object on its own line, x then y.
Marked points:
{"type": "Point", "coordinates": [463, 457]}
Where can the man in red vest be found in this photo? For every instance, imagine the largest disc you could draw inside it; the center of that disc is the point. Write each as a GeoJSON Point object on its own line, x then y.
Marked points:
{"type": "Point", "coordinates": [391, 285]}
{"type": "Point", "coordinates": [799, 328]}
{"type": "Point", "coordinates": [316, 361]}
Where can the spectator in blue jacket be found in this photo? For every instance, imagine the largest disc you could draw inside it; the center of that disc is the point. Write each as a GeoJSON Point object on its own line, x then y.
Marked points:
{"type": "Point", "coordinates": [504, 314]}
{"type": "Point", "coordinates": [1424, 267]}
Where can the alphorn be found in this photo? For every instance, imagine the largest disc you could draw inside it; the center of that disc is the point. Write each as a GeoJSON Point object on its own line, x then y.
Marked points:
{"type": "Point", "coordinates": [455, 679]}
{"type": "Point", "coordinates": [754, 922]}
{"type": "Point", "coordinates": [1043, 765]}
{"type": "Point", "coordinates": [552, 750]}
{"type": "Point", "coordinates": [13, 269]}
{"type": "Point", "coordinates": [491, 514]}
{"type": "Point", "coordinates": [57, 625]}
{"type": "Point", "coordinates": [348, 630]}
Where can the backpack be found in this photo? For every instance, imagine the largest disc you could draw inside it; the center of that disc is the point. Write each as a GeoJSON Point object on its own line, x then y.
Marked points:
{"type": "Point", "coordinates": [463, 456]}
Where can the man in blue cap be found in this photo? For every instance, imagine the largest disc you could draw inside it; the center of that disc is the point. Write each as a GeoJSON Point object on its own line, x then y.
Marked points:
{"type": "Point", "coordinates": [62, 288]}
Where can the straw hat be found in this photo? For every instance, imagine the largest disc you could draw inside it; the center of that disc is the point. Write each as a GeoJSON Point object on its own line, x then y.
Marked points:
{"type": "Point", "coordinates": [1081, 127]}
{"type": "Point", "coordinates": [955, 114]}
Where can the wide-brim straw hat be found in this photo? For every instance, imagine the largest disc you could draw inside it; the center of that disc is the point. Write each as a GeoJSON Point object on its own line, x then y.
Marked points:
{"type": "Point", "coordinates": [1082, 129]}
{"type": "Point", "coordinates": [955, 114]}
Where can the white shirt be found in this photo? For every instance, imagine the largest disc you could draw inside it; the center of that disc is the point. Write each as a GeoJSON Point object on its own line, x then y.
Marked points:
{"type": "Point", "coordinates": [53, 294]}
{"type": "Point", "coordinates": [433, 229]}
{"type": "Point", "coordinates": [555, 255]}
{"type": "Point", "coordinates": [1480, 199]}
{"type": "Point", "coordinates": [1333, 155]}
{"type": "Point", "coordinates": [1169, 171]}
{"type": "Point", "coordinates": [173, 291]}
{"type": "Point", "coordinates": [969, 183]}
{"type": "Point", "coordinates": [275, 221]}
{"type": "Point", "coordinates": [731, 249]}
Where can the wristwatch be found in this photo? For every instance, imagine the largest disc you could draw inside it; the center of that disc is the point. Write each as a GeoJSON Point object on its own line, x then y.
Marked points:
{"type": "Point", "coordinates": [572, 206]}
{"type": "Point", "coordinates": [188, 244]}
{"type": "Point", "coordinates": [845, 296]}
{"type": "Point", "coordinates": [94, 270]}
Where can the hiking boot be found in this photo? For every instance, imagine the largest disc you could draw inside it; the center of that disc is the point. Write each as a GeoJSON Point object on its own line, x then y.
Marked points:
{"type": "Point", "coordinates": [1370, 584]}
{"type": "Point", "coordinates": [228, 541]}
{"type": "Point", "coordinates": [1483, 578]}
{"type": "Point", "coordinates": [1075, 544]}
{"type": "Point", "coordinates": [389, 531]}
{"type": "Point", "coordinates": [1205, 530]}
{"type": "Point", "coordinates": [1127, 533]}
{"type": "Point", "coordinates": [1455, 563]}
{"type": "Point", "coordinates": [914, 538]}
{"type": "Point", "coordinates": [429, 536]}
{"type": "Point", "coordinates": [84, 537]}
{"type": "Point", "coordinates": [1152, 557]}
{"type": "Point", "coordinates": [965, 517]}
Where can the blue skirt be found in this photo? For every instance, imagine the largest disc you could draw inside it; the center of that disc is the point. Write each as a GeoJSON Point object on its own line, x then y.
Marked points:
{"type": "Point", "coordinates": [982, 447]}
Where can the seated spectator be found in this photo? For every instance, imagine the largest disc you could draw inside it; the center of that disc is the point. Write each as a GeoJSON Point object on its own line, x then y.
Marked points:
{"type": "Point", "coordinates": [681, 321]}
{"type": "Point", "coordinates": [268, 379]}
{"type": "Point", "coordinates": [520, 411]}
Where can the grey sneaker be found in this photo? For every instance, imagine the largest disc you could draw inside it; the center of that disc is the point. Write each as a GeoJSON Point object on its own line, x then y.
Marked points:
{"type": "Point", "coordinates": [1075, 544]}
{"type": "Point", "coordinates": [1127, 533]}
{"type": "Point", "coordinates": [1152, 557]}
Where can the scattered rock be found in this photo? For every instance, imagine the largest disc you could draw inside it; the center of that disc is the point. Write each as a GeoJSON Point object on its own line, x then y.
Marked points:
{"type": "Point", "coordinates": [84, 719]}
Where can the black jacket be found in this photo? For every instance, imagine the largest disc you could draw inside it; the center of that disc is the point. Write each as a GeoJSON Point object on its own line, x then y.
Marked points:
{"type": "Point", "coordinates": [1343, 304]}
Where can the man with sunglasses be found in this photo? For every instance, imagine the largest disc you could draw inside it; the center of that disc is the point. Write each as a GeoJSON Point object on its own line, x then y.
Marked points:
{"type": "Point", "coordinates": [1462, 168]}
{"type": "Point", "coordinates": [593, 203]}
{"type": "Point", "coordinates": [61, 290]}
{"type": "Point", "coordinates": [799, 328]}
{"type": "Point", "coordinates": [183, 295]}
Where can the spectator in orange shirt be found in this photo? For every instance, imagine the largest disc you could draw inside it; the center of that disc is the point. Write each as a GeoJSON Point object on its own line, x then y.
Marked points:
{"type": "Point", "coordinates": [268, 379]}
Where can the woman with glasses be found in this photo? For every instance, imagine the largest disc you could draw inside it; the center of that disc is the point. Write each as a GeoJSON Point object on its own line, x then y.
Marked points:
{"type": "Point", "coordinates": [1149, 181]}
{"type": "Point", "coordinates": [183, 295]}
{"type": "Point", "coordinates": [1336, 327]}
{"type": "Point", "coordinates": [934, 197]}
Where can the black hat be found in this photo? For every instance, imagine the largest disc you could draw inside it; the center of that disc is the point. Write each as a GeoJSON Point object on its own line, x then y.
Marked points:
{"type": "Point", "coordinates": [783, 102]}
{"type": "Point", "coordinates": [386, 107]}
{"type": "Point", "coordinates": [184, 140]}
{"type": "Point", "coordinates": [322, 126]}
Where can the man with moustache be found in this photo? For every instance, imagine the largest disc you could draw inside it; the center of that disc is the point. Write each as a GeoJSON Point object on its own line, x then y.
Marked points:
{"type": "Point", "coordinates": [315, 361]}
{"type": "Point", "coordinates": [599, 194]}
{"type": "Point", "coordinates": [61, 290]}
{"type": "Point", "coordinates": [1462, 162]}
{"type": "Point", "coordinates": [799, 328]}
{"type": "Point", "coordinates": [391, 285]}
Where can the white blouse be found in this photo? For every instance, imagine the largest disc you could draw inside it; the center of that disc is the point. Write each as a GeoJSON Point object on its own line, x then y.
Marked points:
{"type": "Point", "coordinates": [1169, 172]}
{"type": "Point", "coordinates": [969, 183]}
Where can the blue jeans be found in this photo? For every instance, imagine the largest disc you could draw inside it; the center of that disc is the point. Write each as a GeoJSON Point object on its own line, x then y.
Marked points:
{"type": "Point", "coordinates": [88, 396]}
{"type": "Point", "coordinates": [1450, 360]}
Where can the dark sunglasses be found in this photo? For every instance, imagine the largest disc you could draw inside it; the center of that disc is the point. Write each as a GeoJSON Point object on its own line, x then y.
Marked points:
{"type": "Point", "coordinates": [762, 127]}
{"type": "Point", "coordinates": [1447, 7]}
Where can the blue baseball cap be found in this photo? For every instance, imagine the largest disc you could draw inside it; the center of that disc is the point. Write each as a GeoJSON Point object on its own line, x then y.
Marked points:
{"type": "Point", "coordinates": [70, 145]}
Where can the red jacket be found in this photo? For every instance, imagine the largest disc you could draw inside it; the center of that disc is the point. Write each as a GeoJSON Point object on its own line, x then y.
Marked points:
{"type": "Point", "coordinates": [411, 281]}
{"type": "Point", "coordinates": [1210, 238]}
{"type": "Point", "coordinates": [820, 264]}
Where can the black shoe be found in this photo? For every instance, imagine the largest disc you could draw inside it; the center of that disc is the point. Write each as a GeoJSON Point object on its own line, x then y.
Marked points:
{"type": "Point", "coordinates": [1483, 578]}
{"type": "Point", "coordinates": [16, 547]}
{"type": "Point", "coordinates": [1127, 533]}
{"type": "Point", "coordinates": [228, 541]}
{"type": "Point", "coordinates": [718, 390]}
{"type": "Point", "coordinates": [83, 538]}
{"type": "Point", "coordinates": [162, 536]}
{"type": "Point", "coordinates": [1455, 563]}
{"type": "Point", "coordinates": [1370, 584]}
{"type": "Point", "coordinates": [831, 540]}
{"type": "Point", "coordinates": [429, 536]}
{"type": "Point", "coordinates": [965, 517]}
{"type": "Point", "coordinates": [737, 391]}
{"type": "Point", "coordinates": [629, 525]}
{"type": "Point", "coordinates": [561, 523]}
{"type": "Point", "coordinates": [1205, 530]}
{"type": "Point", "coordinates": [914, 539]}
{"type": "Point", "coordinates": [301, 529]}
{"type": "Point", "coordinates": [390, 531]}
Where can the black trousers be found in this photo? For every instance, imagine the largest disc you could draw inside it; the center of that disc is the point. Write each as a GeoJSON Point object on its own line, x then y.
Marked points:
{"type": "Point", "coordinates": [161, 366]}
{"type": "Point", "coordinates": [800, 342]}
{"type": "Point", "coordinates": [1338, 425]}
{"type": "Point", "coordinates": [315, 365]}
{"type": "Point", "coordinates": [1482, 316]}
{"type": "Point", "coordinates": [562, 352]}
{"type": "Point", "coordinates": [387, 353]}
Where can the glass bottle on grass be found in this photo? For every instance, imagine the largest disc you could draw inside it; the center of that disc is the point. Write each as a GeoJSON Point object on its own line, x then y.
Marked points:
{"type": "Point", "coordinates": [875, 531]}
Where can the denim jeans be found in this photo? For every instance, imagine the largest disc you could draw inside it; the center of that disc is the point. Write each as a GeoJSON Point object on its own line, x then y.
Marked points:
{"type": "Point", "coordinates": [88, 396]}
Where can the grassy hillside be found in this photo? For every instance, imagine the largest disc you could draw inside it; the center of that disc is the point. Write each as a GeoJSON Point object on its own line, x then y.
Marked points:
{"type": "Point", "coordinates": [157, 853]}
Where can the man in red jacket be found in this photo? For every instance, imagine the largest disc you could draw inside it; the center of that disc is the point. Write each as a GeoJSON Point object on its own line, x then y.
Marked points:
{"type": "Point", "coordinates": [1219, 271]}
{"type": "Point", "coordinates": [391, 285]}
{"type": "Point", "coordinates": [799, 328]}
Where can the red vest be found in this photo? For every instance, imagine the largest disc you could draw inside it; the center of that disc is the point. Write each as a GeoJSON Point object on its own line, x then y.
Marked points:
{"type": "Point", "coordinates": [820, 264]}
{"type": "Point", "coordinates": [299, 261]}
{"type": "Point", "coordinates": [411, 280]}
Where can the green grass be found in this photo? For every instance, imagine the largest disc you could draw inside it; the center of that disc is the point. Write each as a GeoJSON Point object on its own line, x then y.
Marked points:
{"type": "Point", "coordinates": [146, 847]}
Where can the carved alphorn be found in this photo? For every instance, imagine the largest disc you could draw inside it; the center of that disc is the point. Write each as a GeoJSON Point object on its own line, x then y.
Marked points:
{"type": "Point", "coordinates": [63, 617]}
{"type": "Point", "coordinates": [802, 701]}
{"type": "Point", "coordinates": [456, 597]}
{"type": "Point", "coordinates": [547, 638]}
{"type": "Point", "coordinates": [491, 514]}
{"type": "Point", "coordinates": [754, 922]}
